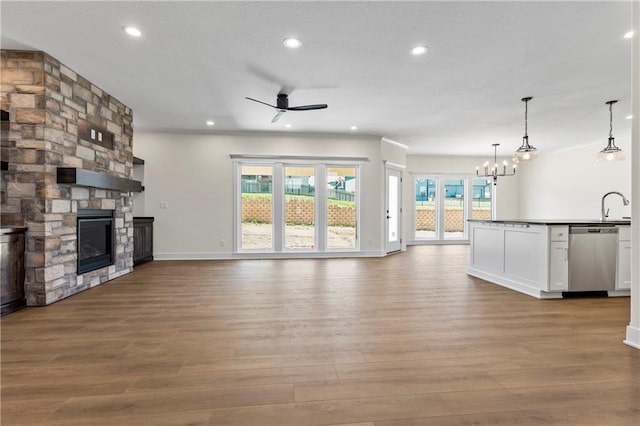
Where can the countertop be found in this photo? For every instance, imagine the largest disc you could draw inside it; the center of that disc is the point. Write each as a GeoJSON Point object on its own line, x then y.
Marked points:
{"type": "Point", "coordinates": [584, 222]}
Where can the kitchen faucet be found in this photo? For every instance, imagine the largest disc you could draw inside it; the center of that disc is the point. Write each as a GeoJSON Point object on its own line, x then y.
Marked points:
{"type": "Point", "coordinates": [605, 214]}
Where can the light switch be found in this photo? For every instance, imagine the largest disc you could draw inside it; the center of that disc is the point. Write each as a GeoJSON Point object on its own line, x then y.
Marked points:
{"type": "Point", "coordinates": [164, 204]}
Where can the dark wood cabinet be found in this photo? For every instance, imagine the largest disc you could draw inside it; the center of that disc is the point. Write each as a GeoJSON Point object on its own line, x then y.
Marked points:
{"type": "Point", "coordinates": [12, 266]}
{"type": "Point", "coordinates": [142, 240]}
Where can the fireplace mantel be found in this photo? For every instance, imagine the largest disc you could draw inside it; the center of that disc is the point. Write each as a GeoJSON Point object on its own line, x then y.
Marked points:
{"type": "Point", "coordinates": [82, 177]}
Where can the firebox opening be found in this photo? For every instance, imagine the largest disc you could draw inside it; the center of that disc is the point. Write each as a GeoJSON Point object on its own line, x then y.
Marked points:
{"type": "Point", "coordinates": [95, 240]}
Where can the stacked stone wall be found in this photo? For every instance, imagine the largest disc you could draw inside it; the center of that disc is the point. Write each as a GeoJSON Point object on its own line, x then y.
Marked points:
{"type": "Point", "coordinates": [46, 100]}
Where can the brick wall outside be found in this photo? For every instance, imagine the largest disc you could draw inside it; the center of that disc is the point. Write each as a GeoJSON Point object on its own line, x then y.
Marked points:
{"type": "Point", "coordinates": [298, 211]}
{"type": "Point", "coordinates": [454, 219]}
{"type": "Point", "coordinates": [45, 100]}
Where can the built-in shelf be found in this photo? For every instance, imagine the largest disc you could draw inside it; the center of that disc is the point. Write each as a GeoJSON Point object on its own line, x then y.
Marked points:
{"type": "Point", "coordinates": [81, 177]}
{"type": "Point", "coordinates": [137, 160]}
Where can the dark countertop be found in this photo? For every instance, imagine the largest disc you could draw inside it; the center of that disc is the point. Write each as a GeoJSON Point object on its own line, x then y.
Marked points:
{"type": "Point", "coordinates": [584, 222]}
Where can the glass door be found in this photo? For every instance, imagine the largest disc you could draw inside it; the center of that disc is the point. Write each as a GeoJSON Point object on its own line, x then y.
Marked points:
{"type": "Point", "coordinates": [393, 210]}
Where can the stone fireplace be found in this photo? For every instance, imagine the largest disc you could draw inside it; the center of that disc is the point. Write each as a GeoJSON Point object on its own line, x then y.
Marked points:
{"type": "Point", "coordinates": [61, 125]}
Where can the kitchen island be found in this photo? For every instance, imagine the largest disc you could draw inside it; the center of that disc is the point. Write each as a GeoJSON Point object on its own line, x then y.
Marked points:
{"type": "Point", "coordinates": [551, 259]}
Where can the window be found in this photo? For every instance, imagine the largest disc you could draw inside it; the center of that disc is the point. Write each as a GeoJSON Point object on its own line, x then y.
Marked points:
{"type": "Point", "coordinates": [443, 204]}
{"type": "Point", "coordinates": [256, 208]}
{"type": "Point", "coordinates": [286, 206]}
{"type": "Point", "coordinates": [299, 207]}
{"type": "Point", "coordinates": [481, 207]}
{"type": "Point", "coordinates": [425, 211]}
{"type": "Point", "coordinates": [342, 216]}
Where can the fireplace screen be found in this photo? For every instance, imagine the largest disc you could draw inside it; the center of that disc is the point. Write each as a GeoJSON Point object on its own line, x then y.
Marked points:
{"type": "Point", "coordinates": [95, 239]}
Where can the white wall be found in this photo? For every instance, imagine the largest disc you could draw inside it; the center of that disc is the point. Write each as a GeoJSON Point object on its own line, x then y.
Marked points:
{"type": "Point", "coordinates": [507, 195]}
{"type": "Point", "coordinates": [193, 173]}
{"type": "Point", "coordinates": [570, 184]}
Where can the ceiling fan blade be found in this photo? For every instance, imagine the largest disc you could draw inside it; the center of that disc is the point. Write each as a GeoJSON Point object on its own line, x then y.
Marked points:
{"type": "Point", "coordinates": [260, 102]}
{"type": "Point", "coordinates": [278, 114]}
{"type": "Point", "coordinates": [307, 107]}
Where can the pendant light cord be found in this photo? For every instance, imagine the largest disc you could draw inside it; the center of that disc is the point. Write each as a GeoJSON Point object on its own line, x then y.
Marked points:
{"type": "Point", "coordinates": [526, 110]}
{"type": "Point", "coordinates": [611, 119]}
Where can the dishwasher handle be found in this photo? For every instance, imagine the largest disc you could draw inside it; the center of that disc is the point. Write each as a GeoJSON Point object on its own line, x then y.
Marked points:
{"type": "Point", "coordinates": [593, 230]}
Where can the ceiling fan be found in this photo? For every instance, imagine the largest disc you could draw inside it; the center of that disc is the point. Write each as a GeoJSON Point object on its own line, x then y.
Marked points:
{"type": "Point", "coordinates": [282, 106]}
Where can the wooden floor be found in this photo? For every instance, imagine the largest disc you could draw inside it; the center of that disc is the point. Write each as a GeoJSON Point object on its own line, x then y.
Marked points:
{"type": "Point", "coordinates": [405, 340]}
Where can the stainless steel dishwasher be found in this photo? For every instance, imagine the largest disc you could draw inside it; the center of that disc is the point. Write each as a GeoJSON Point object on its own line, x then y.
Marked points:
{"type": "Point", "coordinates": [592, 258]}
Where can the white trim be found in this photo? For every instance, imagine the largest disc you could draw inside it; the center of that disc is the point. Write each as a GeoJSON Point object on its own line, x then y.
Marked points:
{"type": "Point", "coordinates": [296, 158]}
{"type": "Point", "coordinates": [633, 337]}
{"type": "Point", "coordinates": [434, 242]}
{"type": "Point", "coordinates": [247, 255]}
{"type": "Point", "coordinates": [391, 165]}
{"type": "Point", "coordinates": [396, 143]}
{"type": "Point", "coordinates": [511, 284]}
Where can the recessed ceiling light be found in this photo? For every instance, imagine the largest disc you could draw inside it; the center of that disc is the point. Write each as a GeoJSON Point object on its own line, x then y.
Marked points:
{"type": "Point", "coordinates": [353, 128]}
{"type": "Point", "coordinates": [629, 117]}
{"type": "Point", "coordinates": [419, 50]}
{"type": "Point", "coordinates": [292, 42]}
{"type": "Point", "coordinates": [288, 126]}
{"type": "Point", "coordinates": [628, 34]}
{"type": "Point", "coordinates": [133, 31]}
{"type": "Point", "coordinates": [210, 123]}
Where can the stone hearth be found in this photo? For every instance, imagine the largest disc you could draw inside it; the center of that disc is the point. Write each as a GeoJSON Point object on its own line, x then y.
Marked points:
{"type": "Point", "coordinates": [47, 103]}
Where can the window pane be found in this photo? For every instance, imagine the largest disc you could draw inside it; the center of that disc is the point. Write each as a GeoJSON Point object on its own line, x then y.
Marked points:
{"type": "Point", "coordinates": [393, 207]}
{"type": "Point", "coordinates": [454, 208]}
{"type": "Point", "coordinates": [482, 199]}
{"type": "Point", "coordinates": [425, 213]}
{"type": "Point", "coordinates": [257, 216]}
{"type": "Point", "coordinates": [299, 209]}
{"type": "Point", "coordinates": [341, 207]}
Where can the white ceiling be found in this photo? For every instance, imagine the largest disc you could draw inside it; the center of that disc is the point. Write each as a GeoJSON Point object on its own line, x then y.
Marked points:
{"type": "Point", "coordinates": [198, 60]}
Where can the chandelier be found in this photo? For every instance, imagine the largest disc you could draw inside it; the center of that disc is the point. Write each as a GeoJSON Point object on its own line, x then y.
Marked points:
{"type": "Point", "coordinates": [611, 152]}
{"type": "Point", "coordinates": [526, 152]}
{"type": "Point", "coordinates": [496, 171]}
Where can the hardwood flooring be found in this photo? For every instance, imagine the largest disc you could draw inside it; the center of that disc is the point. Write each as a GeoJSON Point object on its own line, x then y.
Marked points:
{"type": "Point", "coordinates": [400, 341]}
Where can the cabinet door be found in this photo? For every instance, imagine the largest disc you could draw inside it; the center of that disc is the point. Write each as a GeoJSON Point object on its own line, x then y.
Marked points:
{"type": "Point", "coordinates": [623, 275]}
{"type": "Point", "coordinates": [559, 266]}
{"type": "Point", "coordinates": [138, 241]}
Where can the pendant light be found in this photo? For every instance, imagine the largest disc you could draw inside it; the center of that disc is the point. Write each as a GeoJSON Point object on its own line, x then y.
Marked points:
{"type": "Point", "coordinates": [611, 152]}
{"type": "Point", "coordinates": [494, 171]}
{"type": "Point", "coordinates": [526, 152]}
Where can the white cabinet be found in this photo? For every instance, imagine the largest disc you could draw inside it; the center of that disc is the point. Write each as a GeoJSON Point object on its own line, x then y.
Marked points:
{"type": "Point", "coordinates": [533, 257]}
{"type": "Point", "coordinates": [623, 274]}
{"type": "Point", "coordinates": [559, 266]}
{"type": "Point", "coordinates": [558, 258]}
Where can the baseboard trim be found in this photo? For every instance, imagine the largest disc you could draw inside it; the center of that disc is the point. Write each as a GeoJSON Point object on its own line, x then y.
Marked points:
{"type": "Point", "coordinates": [240, 256]}
{"type": "Point", "coordinates": [633, 337]}
{"type": "Point", "coordinates": [513, 285]}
